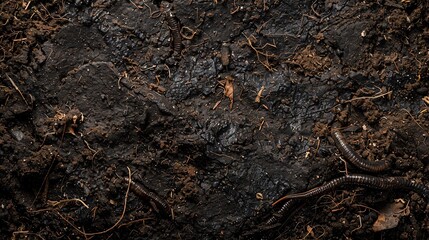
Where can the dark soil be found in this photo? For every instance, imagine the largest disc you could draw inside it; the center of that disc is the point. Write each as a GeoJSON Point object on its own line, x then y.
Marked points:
{"type": "Point", "coordinates": [91, 88]}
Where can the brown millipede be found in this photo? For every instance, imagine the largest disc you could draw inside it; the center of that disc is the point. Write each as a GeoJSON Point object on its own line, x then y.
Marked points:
{"type": "Point", "coordinates": [173, 23]}
{"type": "Point", "coordinates": [353, 157]}
{"type": "Point", "coordinates": [286, 207]}
{"type": "Point", "coordinates": [159, 204]}
{"type": "Point", "coordinates": [388, 183]}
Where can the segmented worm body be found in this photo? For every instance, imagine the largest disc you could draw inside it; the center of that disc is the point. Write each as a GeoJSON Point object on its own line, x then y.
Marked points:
{"type": "Point", "coordinates": [353, 157]}
{"type": "Point", "coordinates": [287, 207]}
{"type": "Point", "coordinates": [382, 183]}
{"type": "Point", "coordinates": [388, 183]}
{"type": "Point", "coordinates": [173, 23]}
{"type": "Point", "coordinates": [159, 204]}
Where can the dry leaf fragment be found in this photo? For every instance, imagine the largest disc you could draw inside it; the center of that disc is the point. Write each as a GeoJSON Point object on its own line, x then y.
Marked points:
{"type": "Point", "coordinates": [262, 123]}
{"type": "Point", "coordinates": [258, 97]}
{"type": "Point", "coordinates": [216, 104]}
{"type": "Point", "coordinates": [426, 99]}
{"type": "Point", "coordinates": [265, 106]}
{"type": "Point", "coordinates": [389, 216]}
{"type": "Point", "coordinates": [158, 88]}
{"type": "Point", "coordinates": [225, 54]}
{"type": "Point", "coordinates": [310, 230]}
{"type": "Point", "coordinates": [229, 90]}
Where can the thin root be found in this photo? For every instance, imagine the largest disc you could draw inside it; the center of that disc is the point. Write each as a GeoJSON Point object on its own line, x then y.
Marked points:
{"type": "Point", "coordinates": [112, 227]}
{"type": "Point", "coordinates": [16, 88]}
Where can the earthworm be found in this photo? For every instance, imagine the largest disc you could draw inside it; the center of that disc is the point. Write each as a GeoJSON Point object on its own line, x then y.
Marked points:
{"type": "Point", "coordinates": [354, 157]}
{"type": "Point", "coordinates": [388, 183]}
{"type": "Point", "coordinates": [156, 201]}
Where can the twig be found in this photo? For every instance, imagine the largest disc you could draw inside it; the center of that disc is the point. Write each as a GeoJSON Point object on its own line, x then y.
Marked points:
{"type": "Point", "coordinates": [135, 5]}
{"type": "Point", "coordinates": [56, 203]}
{"type": "Point", "coordinates": [360, 224]}
{"type": "Point", "coordinates": [112, 227]}
{"type": "Point", "coordinates": [370, 208]}
{"type": "Point", "coordinates": [87, 145]}
{"type": "Point", "coordinates": [314, 10]}
{"type": "Point", "coordinates": [412, 117]}
{"type": "Point", "coordinates": [16, 88]}
{"type": "Point", "coordinates": [4, 54]}
{"type": "Point", "coordinates": [168, 69]}
{"type": "Point", "coordinates": [135, 221]}
{"type": "Point", "coordinates": [369, 97]}
{"type": "Point", "coordinates": [45, 180]}
{"type": "Point", "coordinates": [317, 148]}
{"type": "Point", "coordinates": [26, 233]}
{"type": "Point", "coordinates": [265, 63]}
{"type": "Point", "coordinates": [262, 123]}
{"type": "Point", "coordinates": [311, 232]}
{"type": "Point", "coordinates": [345, 166]}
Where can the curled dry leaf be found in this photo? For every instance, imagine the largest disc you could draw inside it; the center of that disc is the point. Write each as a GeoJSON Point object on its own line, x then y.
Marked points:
{"type": "Point", "coordinates": [258, 97]}
{"type": "Point", "coordinates": [229, 90]}
{"type": "Point", "coordinates": [389, 216]}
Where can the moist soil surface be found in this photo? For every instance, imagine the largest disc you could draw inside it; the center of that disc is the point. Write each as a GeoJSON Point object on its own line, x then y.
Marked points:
{"type": "Point", "coordinates": [217, 107]}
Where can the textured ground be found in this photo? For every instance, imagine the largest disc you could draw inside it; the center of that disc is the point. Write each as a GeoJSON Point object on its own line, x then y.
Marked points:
{"type": "Point", "coordinates": [235, 119]}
